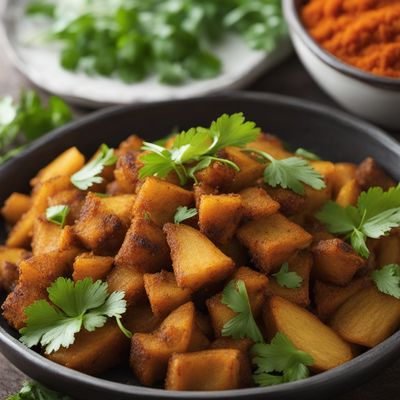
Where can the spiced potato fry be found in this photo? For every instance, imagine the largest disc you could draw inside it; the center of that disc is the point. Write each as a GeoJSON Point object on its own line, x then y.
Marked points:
{"type": "Point", "coordinates": [88, 265]}
{"type": "Point", "coordinates": [15, 207]}
{"type": "Point", "coordinates": [256, 203]}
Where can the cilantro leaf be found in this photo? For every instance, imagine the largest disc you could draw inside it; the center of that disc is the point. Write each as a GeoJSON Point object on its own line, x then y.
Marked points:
{"type": "Point", "coordinates": [74, 305]}
{"type": "Point", "coordinates": [183, 213]}
{"type": "Point", "coordinates": [57, 214]}
{"type": "Point", "coordinates": [36, 391]}
{"type": "Point", "coordinates": [243, 324]}
{"type": "Point", "coordinates": [282, 359]}
{"type": "Point", "coordinates": [288, 279]}
{"type": "Point", "coordinates": [89, 174]}
{"type": "Point", "coordinates": [387, 280]}
{"type": "Point", "coordinates": [308, 155]}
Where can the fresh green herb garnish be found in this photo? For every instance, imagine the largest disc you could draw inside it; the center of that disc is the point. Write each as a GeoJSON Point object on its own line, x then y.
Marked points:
{"type": "Point", "coordinates": [83, 304]}
{"type": "Point", "coordinates": [279, 362]}
{"type": "Point", "coordinates": [377, 212]}
{"type": "Point", "coordinates": [22, 122]}
{"type": "Point", "coordinates": [308, 155]}
{"type": "Point", "coordinates": [90, 173]}
{"type": "Point", "coordinates": [36, 391]}
{"type": "Point", "coordinates": [57, 214]}
{"type": "Point", "coordinates": [184, 213]}
{"type": "Point", "coordinates": [288, 279]}
{"type": "Point", "coordinates": [242, 325]}
{"type": "Point", "coordinates": [197, 146]}
{"type": "Point", "coordinates": [387, 280]}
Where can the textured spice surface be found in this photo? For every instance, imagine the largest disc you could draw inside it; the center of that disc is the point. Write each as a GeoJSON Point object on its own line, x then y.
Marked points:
{"type": "Point", "coordinates": [364, 33]}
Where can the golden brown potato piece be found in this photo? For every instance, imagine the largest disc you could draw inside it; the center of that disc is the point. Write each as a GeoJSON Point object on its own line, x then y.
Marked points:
{"type": "Point", "coordinates": [94, 352]}
{"type": "Point", "coordinates": [219, 216]}
{"type": "Point", "coordinates": [369, 174]}
{"type": "Point", "coordinates": [306, 332]}
{"type": "Point", "coordinates": [335, 261]}
{"type": "Point", "coordinates": [200, 189]}
{"type": "Point", "coordinates": [348, 194]}
{"type": "Point", "coordinates": [206, 370]}
{"type": "Point", "coordinates": [220, 313]}
{"type": "Point", "coordinates": [367, 318]}
{"type": "Point", "coordinates": [272, 240]}
{"type": "Point", "coordinates": [9, 261]}
{"type": "Point", "coordinates": [225, 342]}
{"type": "Point", "coordinates": [150, 352]}
{"type": "Point", "coordinates": [256, 203]}
{"type": "Point", "coordinates": [132, 142]}
{"type": "Point", "coordinates": [163, 293]}
{"type": "Point", "coordinates": [88, 265]}
{"type": "Point", "coordinates": [195, 259]}
{"type": "Point", "coordinates": [217, 176]}
{"type": "Point", "coordinates": [46, 236]}
{"type": "Point", "coordinates": [15, 206]}
{"type": "Point", "coordinates": [271, 145]}
{"type": "Point", "coordinates": [236, 251]}
{"type": "Point", "coordinates": [301, 263]}
{"type": "Point", "coordinates": [158, 200]}
{"type": "Point", "coordinates": [103, 222]}
{"type": "Point", "coordinates": [140, 319]}
{"type": "Point", "coordinates": [344, 172]}
{"type": "Point", "coordinates": [388, 250]}
{"type": "Point", "coordinates": [144, 248]}
{"type": "Point", "coordinates": [126, 171]}
{"type": "Point", "coordinates": [290, 202]}
{"type": "Point", "coordinates": [317, 229]}
{"type": "Point", "coordinates": [73, 198]}
{"type": "Point", "coordinates": [328, 297]}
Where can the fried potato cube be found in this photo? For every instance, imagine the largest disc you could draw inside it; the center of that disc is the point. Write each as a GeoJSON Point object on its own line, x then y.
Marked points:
{"type": "Point", "coordinates": [129, 281]}
{"type": "Point", "coordinates": [290, 202]}
{"type": "Point", "coordinates": [328, 297]}
{"type": "Point", "coordinates": [367, 318]}
{"type": "Point", "coordinates": [163, 293]}
{"type": "Point", "coordinates": [46, 236]}
{"type": "Point", "coordinates": [235, 251]}
{"type": "Point", "coordinates": [317, 229]}
{"type": "Point", "coordinates": [140, 319]}
{"type": "Point", "coordinates": [201, 189]}
{"type": "Point", "coordinates": [195, 259]}
{"type": "Point", "coordinates": [225, 342]}
{"type": "Point", "coordinates": [88, 265]}
{"type": "Point", "coordinates": [144, 248]}
{"type": "Point", "coordinates": [256, 203]}
{"type": "Point", "coordinates": [67, 163]}
{"type": "Point", "coordinates": [344, 172]}
{"type": "Point", "coordinates": [73, 198]}
{"type": "Point", "coordinates": [335, 261]}
{"type": "Point", "coordinates": [132, 142]}
{"type": "Point", "coordinates": [271, 145]}
{"type": "Point", "coordinates": [94, 352]}
{"type": "Point", "coordinates": [217, 175]}
{"type": "Point", "coordinates": [159, 200]}
{"type": "Point", "coordinates": [348, 194]}
{"type": "Point", "coordinates": [220, 313]}
{"type": "Point", "coordinates": [388, 250]}
{"type": "Point", "coordinates": [9, 260]}
{"type": "Point", "coordinates": [15, 207]}
{"type": "Point", "coordinates": [103, 222]}
{"type": "Point", "coordinates": [206, 370]}
{"type": "Point", "coordinates": [306, 332]}
{"type": "Point", "coordinates": [126, 172]}
{"type": "Point", "coordinates": [300, 263]}
{"type": "Point", "coordinates": [369, 174]}
{"type": "Point", "coordinates": [219, 216]}
{"type": "Point", "coordinates": [272, 240]}
{"type": "Point", "coordinates": [150, 352]}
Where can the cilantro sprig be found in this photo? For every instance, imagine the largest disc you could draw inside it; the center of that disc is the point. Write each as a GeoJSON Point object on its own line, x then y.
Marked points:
{"type": "Point", "coordinates": [84, 304]}
{"type": "Point", "coordinates": [184, 213]}
{"type": "Point", "coordinates": [291, 280]}
{"type": "Point", "coordinates": [36, 391]}
{"type": "Point", "coordinates": [387, 280]}
{"type": "Point", "coordinates": [90, 173]}
{"type": "Point", "coordinates": [376, 213]}
{"type": "Point", "coordinates": [57, 214]}
{"type": "Point", "coordinates": [308, 155]}
{"type": "Point", "coordinates": [197, 148]}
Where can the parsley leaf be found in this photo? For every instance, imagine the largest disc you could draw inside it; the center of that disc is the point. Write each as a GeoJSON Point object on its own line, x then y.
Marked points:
{"type": "Point", "coordinates": [74, 305]}
{"type": "Point", "coordinates": [90, 173]}
{"type": "Point", "coordinates": [288, 279]}
{"type": "Point", "coordinates": [308, 155]}
{"type": "Point", "coordinates": [243, 324]}
{"type": "Point", "coordinates": [183, 213]}
{"type": "Point", "coordinates": [377, 212]}
{"type": "Point", "coordinates": [387, 280]}
{"type": "Point", "coordinates": [57, 214]}
{"type": "Point", "coordinates": [36, 391]}
{"type": "Point", "coordinates": [281, 358]}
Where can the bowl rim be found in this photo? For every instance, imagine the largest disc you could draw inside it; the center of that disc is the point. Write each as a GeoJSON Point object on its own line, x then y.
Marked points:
{"type": "Point", "coordinates": [361, 365]}
{"type": "Point", "coordinates": [291, 11]}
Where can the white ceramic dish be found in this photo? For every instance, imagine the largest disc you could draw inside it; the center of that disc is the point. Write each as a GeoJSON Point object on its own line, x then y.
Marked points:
{"type": "Point", "coordinates": [241, 65]}
{"type": "Point", "coordinates": [369, 96]}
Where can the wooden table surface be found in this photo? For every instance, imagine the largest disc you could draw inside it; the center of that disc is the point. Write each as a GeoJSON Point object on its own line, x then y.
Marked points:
{"type": "Point", "coordinates": [289, 78]}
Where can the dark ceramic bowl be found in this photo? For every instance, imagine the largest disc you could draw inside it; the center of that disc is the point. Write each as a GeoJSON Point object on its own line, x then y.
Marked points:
{"type": "Point", "coordinates": [330, 133]}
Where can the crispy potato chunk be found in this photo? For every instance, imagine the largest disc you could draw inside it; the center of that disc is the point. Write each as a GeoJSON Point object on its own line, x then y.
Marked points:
{"type": "Point", "coordinates": [88, 265]}
{"type": "Point", "coordinates": [306, 332]}
{"type": "Point", "coordinates": [126, 172]}
{"type": "Point", "coordinates": [367, 318]}
{"type": "Point", "coordinates": [15, 207]}
{"type": "Point", "coordinates": [216, 175]}
{"type": "Point", "coordinates": [344, 172]}
{"type": "Point", "coordinates": [369, 174]}
{"type": "Point", "coordinates": [236, 251]}
{"type": "Point", "coordinates": [140, 319]}
{"type": "Point", "coordinates": [243, 345]}
{"type": "Point", "coordinates": [164, 294]}
{"type": "Point", "coordinates": [348, 194]}
{"type": "Point", "coordinates": [206, 370]}
{"type": "Point", "coordinates": [219, 216]}
{"type": "Point", "coordinates": [256, 203]}
{"type": "Point", "coordinates": [301, 263]}
{"type": "Point", "coordinates": [272, 240]}
{"type": "Point", "coordinates": [195, 259]}
{"type": "Point", "coordinates": [335, 261]}
{"type": "Point", "coordinates": [9, 261]}
{"type": "Point", "coordinates": [317, 229]}
{"type": "Point", "coordinates": [328, 297]}
{"type": "Point", "coordinates": [220, 313]}
{"type": "Point", "coordinates": [46, 236]}
{"type": "Point", "coordinates": [150, 352]}
{"type": "Point", "coordinates": [201, 189]}
{"type": "Point", "coordinates": [271, 145]}
{"type": "Point", "coordinates": [144, 248]}
{"type": "Point", "coordinates": [290, 202]}
{"type": "Point", "coordinates": [132, 142]}
{"type": "Point", "coordinates": [73, 198]}
{"type": "Point", "coordinates": [388, 250]}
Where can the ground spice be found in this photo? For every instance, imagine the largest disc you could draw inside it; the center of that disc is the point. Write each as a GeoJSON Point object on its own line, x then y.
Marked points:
{"type": "Point", "coordinates": [363, 33]}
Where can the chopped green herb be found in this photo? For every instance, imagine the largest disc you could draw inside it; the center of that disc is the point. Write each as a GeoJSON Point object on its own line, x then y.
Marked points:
{"type": "Point", "coordinates": [184, 213]}
{"type": "Point", "coordinates": [36, 391]}
{"type": "Point", "coordinates": [57, 214]}
{"type": "Point", "coordinates": [387, 280]}
{"type": "Point", "coordinates": [308, 155]}
{"type": "Point", "coordinates": [288, 279]}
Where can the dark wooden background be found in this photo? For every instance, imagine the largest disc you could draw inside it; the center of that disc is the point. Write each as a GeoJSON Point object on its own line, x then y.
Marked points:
{"type": "Point", "coordinates": [289, 78]}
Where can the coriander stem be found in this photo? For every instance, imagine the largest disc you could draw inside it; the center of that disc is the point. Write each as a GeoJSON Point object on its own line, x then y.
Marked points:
{"type": "Point", "coordinates": [259, 152]}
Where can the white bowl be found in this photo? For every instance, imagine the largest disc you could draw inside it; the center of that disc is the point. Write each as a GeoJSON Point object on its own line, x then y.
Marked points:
{"type": "Point", "coordinates": [372, 97]}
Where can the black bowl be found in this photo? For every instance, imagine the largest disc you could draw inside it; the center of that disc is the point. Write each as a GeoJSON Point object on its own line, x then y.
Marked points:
{"type": "Point", "coordinates": [330, 133]}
